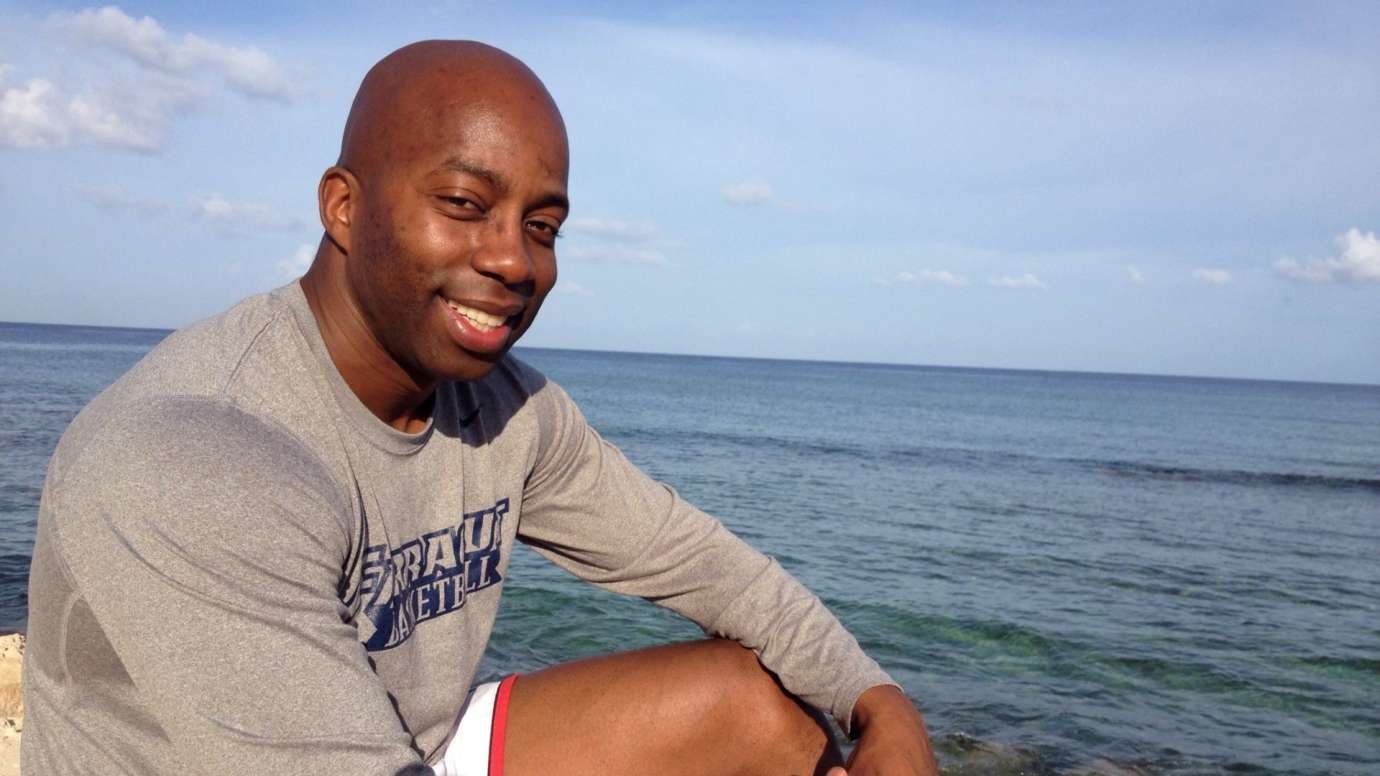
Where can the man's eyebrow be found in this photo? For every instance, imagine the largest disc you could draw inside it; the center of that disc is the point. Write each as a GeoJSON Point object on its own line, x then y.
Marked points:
{"type": "Point", "coordinates": [466, 166]}
{"type": "Point", "coordinates": [495, 179]}
{"type": "Point", "coordinates": [553, 199]}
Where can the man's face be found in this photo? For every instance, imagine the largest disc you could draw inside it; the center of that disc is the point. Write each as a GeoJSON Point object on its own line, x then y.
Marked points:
{"type": "Point", "coordinates": [453, 241]}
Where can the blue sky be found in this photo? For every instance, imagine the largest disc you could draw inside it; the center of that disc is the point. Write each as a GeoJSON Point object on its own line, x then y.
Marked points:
{"type": "Point", "coordinates": [1148, 187]}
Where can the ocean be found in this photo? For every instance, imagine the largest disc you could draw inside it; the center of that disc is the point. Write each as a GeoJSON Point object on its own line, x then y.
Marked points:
{"type": "Point", "coordinates": [1068, 571]}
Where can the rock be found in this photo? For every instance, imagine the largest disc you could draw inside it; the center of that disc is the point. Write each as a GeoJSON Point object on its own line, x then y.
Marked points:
{"type": "Point", "coordinates": [11, 659]}
{"type": "Point", "coordinates": [11, 702]}
{"type": "Point", "coordinates": [960, 754]}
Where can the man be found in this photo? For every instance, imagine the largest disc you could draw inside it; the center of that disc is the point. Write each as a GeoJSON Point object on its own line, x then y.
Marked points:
{"type": "Point", "coordinates": [276, 545]}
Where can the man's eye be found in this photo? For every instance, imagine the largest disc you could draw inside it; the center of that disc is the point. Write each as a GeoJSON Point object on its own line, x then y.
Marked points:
{"type": "Point", "coordinates": [463, 203]}
{"type": "Point", "coordinates": [547, 229]}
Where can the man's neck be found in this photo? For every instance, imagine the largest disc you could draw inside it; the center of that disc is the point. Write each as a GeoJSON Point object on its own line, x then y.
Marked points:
{"type": "Point", "coordinates": [371, 372]}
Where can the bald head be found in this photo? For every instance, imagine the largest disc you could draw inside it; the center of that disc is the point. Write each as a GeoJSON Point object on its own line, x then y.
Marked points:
{"type": "Point", "coordinates": [419, 91]}
{"type": "Point", "coordinates": [441, 220]}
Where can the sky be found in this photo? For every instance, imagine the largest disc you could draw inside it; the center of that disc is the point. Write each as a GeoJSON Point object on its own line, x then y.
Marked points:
{"type": "Point", "coordinates": [1164, 188]}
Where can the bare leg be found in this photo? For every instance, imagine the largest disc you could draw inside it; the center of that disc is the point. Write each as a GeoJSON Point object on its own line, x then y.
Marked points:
{"type": "Point", "coordinates": [702, 708]}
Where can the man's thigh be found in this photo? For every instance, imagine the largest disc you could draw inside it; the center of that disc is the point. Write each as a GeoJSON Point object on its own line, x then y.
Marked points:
{"type": "Point", "coordinates": [699, 708]}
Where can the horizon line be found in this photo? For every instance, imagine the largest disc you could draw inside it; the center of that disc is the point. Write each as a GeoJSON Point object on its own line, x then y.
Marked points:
{"type": "Point", "coordinates": [893, 364]}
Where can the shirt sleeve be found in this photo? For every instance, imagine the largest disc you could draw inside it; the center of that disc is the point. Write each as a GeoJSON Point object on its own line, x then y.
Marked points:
{"type": "Point", "coordinates": [590, 511]}
{"type": "Point", "coordinates": [209, 545]}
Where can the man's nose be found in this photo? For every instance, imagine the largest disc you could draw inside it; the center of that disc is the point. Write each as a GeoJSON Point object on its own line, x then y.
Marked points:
{"type": "Point", "coordinates": [503, 255]}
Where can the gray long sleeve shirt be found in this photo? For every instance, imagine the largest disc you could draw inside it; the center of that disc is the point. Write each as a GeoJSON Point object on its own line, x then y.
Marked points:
{"type": "Point", "coordinates": [239, 569]}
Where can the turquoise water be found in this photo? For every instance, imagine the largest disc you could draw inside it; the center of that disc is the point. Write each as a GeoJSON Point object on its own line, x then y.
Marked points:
{"type": "Point", "coordinates": [1177, 576]}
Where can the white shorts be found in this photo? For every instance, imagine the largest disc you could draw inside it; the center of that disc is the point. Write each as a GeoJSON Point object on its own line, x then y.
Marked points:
{"type": "Point", "coordinates": [476, 748]}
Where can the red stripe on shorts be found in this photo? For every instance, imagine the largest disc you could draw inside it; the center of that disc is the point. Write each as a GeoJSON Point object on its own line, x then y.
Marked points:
{"type": "Point", "coordinates": [500, 726]}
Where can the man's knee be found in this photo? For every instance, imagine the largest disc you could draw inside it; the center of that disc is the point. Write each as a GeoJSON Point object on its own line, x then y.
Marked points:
{"type": "Point", "coordinates": [712, 698]}
{"type": "Point", "coordinates": [756, 706]}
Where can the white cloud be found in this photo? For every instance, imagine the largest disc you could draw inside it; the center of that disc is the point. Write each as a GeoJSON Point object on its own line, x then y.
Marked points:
{"type": "Point", "coordinates": [244, 216]}
{"type": "Point", "coordinates": [247, 70]}
{"type": "Point", "coordinates": [1358, 262]}
{"type": "Point", "coordinates": [32, 116]}
{"type": "Point", "coordinates": [614, 240]}
{"type": "Point", "coordinates": [620, 254]}
{"type": "Point", "coordinates": [1135, 275]}
{"type": "Point", "coordinates": [99, 120]}
{"type": "Point", "coordinates": [926, 277]}
{"type": "Point", "coordinates": [1213, 277]}
{"type": "Point", "coordinates": [42, 115]}
{"type": "Point", "coordinates": [611, 228]}
{"type": "Point", "coordinates": [213, 209]}
{"type": "Point", "coordinates": [571, 288]}
{"type": "Point", "coordinates": [754, 191]}
{"type": "Point", "coordinates": [116, 199]}
{"type": "Point", "coordinates": [1026, 280]}
{"type": "Point", "coordinates": [299, 262]}
{"type": "Point", "coordinates": [102, 101]}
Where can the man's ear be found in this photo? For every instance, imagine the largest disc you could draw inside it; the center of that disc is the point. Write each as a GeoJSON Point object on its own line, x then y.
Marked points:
{"type": "Point", "coordinates": [336, 198]}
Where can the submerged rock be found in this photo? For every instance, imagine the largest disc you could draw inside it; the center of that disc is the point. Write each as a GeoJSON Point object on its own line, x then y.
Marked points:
{"type": "Point", "coordinates": [960, 754]}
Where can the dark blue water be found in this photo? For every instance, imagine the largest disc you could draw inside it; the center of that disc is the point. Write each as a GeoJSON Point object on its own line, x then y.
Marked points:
{"type": "Point", "coordinates": [1161, 575]}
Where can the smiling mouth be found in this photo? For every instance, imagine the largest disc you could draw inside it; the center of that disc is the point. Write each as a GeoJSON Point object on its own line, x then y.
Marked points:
{"type": "Point", "coordinates": [481, 320]}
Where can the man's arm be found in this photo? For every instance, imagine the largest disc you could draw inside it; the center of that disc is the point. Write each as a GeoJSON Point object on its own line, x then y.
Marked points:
{"type": "Point", "coordinates": [589, 510]}
{"type": "Point", "coordinates": [892, 736]}
{"type": "Point", "coordinates": [207, 546]}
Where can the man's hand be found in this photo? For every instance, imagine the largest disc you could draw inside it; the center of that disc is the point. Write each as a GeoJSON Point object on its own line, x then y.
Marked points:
{"type": "Point", "coordinates": [893, 740]}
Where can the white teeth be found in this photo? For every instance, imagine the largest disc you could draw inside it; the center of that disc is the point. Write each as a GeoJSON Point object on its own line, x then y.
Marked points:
{"type": "Point", "coordinates": [479, 318]}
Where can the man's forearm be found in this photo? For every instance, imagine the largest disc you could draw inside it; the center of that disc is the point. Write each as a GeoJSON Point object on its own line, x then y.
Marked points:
{"type": "Point", "coordinates": [892, 735]}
